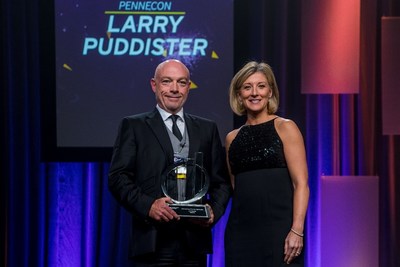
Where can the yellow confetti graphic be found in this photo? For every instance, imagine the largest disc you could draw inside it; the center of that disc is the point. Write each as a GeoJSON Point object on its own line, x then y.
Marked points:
{"type": "Point", "coordinates": [67, 67]}
{"type": "Point", "coordinates": [109, 35]}
{"type": "Point", "coordinates": [193, 85]}
{"type": "Point", "coordinates": [214, 55]}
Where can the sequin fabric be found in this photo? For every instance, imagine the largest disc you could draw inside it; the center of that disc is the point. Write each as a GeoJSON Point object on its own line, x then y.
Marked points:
{"type": "Point", "coordinates": [256, 147]}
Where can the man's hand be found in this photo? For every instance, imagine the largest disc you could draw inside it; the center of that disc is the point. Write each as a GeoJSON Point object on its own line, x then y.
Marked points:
{"type": "Point", "coordinates": [204, 222]}
{"type": "Point", "coordinates": [160, 211]}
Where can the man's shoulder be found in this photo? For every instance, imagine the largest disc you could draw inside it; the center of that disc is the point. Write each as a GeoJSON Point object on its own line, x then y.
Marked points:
{"type": "Point", "coordinates": [199, 119]}
{"type": "Point", "coordinates": [140, 116]}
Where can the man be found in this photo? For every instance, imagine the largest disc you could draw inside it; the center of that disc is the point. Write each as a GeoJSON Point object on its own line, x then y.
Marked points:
{"type": "Point", "coordinates": [144, 148]}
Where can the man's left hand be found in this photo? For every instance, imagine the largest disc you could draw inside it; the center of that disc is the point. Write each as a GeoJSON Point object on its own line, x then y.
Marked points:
{"type": "Point", "coordinates": [204, 222]}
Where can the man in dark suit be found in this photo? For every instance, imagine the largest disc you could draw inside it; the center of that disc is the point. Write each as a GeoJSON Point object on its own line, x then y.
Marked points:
{"type": "Point", "coordinates": [146, 145]}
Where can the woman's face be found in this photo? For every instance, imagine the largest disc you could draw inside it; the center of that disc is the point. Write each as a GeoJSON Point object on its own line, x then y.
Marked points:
{"type": "Point", "coordinates": [255, 93]}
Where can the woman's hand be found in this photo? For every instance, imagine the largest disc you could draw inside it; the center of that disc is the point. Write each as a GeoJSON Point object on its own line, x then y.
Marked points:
{"type": "Point", "coordinates": [293, 246]}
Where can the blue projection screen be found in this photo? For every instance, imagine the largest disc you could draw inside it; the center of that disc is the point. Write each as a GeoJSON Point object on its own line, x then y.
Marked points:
{"type": "Point", "coordinates": [106, 53]}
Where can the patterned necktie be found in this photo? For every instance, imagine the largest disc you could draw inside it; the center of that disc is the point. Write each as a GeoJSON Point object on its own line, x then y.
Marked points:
{"type": "Point", "coordinates": [175, 129]}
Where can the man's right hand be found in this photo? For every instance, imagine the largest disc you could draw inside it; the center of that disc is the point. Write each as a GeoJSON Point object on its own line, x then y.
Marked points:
{"type": "Point", "coordinates": [160, 211]}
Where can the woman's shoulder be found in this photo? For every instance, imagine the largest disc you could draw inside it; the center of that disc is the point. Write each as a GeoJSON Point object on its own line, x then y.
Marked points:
{"type": "Point", "coordinates": [286, 127]}
{"type": "Point", "coordinates": [284, 123]}
{"type": "Point", "coordinates": [231, 135]}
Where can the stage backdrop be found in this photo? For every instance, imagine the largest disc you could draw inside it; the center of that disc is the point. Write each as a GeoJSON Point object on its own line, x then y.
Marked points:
{"type": "Point", "coordinates": [106, 53]}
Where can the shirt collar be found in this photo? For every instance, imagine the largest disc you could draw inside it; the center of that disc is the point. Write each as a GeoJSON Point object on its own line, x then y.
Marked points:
{"type": "Point", "coordinates": [165, 115]}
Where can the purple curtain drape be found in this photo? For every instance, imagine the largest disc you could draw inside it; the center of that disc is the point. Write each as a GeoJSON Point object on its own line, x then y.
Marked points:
{"type": "Point", "coordinates": [61, 214]}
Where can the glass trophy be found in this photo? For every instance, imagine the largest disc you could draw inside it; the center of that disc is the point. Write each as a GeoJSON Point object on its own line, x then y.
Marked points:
{"type": "Point", "coordinates": [186, 183]}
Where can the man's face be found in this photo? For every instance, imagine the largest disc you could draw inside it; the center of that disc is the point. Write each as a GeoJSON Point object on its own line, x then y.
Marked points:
{"type": "Point", "coordinates": [171, 85]}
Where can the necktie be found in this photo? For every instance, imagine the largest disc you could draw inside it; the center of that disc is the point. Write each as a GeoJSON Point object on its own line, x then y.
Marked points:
{"type": "Point", "coordinates": [175, 129]}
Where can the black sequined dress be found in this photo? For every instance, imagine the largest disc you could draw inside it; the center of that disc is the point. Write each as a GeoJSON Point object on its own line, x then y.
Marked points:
{"type": "Point", "coordinates": [262, 202]}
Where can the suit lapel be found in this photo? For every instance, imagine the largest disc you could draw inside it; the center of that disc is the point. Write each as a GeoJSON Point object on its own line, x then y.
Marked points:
{"type": "Point", "coordinates": [157, 125]}
{"type": "Point", "coordinates": [193, 132]}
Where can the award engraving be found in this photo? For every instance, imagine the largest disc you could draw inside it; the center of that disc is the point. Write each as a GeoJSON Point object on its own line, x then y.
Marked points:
{"type": "Point", "coordinates": [186, 183]}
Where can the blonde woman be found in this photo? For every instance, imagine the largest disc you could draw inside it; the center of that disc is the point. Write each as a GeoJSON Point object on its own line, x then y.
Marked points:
{"type": "Point", "coordinates": [267, 163]}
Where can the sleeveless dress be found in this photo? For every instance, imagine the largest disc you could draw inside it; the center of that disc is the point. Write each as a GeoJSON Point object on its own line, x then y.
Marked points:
{"type": "Point", "coordinates": [262, 201]}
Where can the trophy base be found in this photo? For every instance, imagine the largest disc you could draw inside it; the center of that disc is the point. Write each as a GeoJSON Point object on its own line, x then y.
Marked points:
{"type": "Point", "coordinates": [191, 210]}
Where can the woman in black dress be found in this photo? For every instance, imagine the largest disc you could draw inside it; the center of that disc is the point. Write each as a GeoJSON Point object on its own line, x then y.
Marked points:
{"type": "Point", "coordinates": [267, 162]}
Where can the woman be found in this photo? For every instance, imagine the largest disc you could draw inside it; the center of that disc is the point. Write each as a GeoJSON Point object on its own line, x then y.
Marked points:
{"type": "Point", "coordinates": [267, 163]}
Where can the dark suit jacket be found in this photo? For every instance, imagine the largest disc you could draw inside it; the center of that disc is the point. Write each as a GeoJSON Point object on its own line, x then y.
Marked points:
{"type": "Point", "coordinates": [142, 152]}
